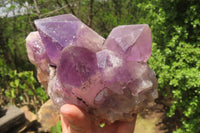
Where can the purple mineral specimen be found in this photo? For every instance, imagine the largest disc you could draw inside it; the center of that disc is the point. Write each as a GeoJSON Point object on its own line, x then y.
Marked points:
{"type": "Point", "coordinates": [109, 79]}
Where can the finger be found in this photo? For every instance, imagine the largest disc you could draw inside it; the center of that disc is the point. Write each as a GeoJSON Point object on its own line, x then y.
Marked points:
{"type": "Point", "coordinates": [65, 125]}
{"type": "Point", "coordinates": [76, 118]}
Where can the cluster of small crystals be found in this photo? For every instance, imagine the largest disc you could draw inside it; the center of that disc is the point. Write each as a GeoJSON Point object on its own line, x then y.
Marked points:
{"type": "Point", "coordinates": [109, 79]}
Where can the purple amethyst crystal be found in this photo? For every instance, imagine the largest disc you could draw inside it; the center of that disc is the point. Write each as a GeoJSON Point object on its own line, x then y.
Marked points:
{"type": "Point", "coordinates": [132, 41]}
{"type": "Point", "coordinates": [63, 30]}
{"type": "Point", "coordinates": [35, 48]}
{"type": "Point", "coordinates": [76, 66]}
{"type": "Point", "coordinates": [109, 79]}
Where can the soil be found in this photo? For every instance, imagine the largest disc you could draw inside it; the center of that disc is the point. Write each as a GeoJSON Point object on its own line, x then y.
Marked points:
{"type": "Point", "coordinates": [154, 119]}
{"type": "Point", "coordinates": [150, 121]}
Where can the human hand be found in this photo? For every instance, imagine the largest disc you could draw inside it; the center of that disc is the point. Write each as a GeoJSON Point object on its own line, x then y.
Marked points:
{"type": "Point", "coordinates": [75, 120]}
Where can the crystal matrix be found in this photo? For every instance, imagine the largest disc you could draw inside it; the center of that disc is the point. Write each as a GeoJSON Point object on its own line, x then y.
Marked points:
{"type": "Point", "coordinates": [109, 79]}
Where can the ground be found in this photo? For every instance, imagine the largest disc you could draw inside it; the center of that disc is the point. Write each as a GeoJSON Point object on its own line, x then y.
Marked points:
{"type": "Point", "coordinates": [150, 120]}
{"type": "Point", "coordinates": [154, 119]}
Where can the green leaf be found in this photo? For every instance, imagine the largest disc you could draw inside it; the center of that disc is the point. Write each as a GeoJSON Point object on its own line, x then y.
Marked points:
{"type": "Point", "coordinates": [57, 128]}
{"type": "Point", "coordinates": [12, 93]}
{"type": "Point", "coordinates": [30, 92]}
{"type": "Point", "coordinates": [17, 82]}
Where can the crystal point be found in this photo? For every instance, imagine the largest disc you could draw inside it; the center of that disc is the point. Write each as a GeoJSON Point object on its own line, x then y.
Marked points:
{"type": "Point", "coordinates": [132, 41]}
{"type": "Point", "coordinates": [63, 30]}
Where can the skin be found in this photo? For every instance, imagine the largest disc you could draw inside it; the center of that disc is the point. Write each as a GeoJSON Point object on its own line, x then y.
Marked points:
{"type": "Point", "coordinates": [75, 120]}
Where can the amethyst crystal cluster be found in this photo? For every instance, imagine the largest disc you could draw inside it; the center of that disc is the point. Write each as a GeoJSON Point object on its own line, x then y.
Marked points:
{"type": "Point", "coordinates": [109, 79]}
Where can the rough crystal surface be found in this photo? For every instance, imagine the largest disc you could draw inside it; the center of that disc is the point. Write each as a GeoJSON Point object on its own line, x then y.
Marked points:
{"type": "Point", "coordinates": [38, 56]}
{"type": "Point", "coordinates": [35, 48]}
{"type": "Point", "coordinates": [109, 79]}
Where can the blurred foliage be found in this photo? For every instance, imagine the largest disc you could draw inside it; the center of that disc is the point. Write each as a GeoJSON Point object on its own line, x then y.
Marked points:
{"type": "Point", "coordinates": [18, 84]}
{"type": "Point", "coordinates": [175, 26]}
{"type": "Point", "coordinates": [175, 57]}
{"type": "Point", "coordinates": [21, 88]}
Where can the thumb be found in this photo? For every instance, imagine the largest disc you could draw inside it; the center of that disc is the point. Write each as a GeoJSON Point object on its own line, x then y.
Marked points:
{"type": "Point", "coordinates": [74, 119]}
